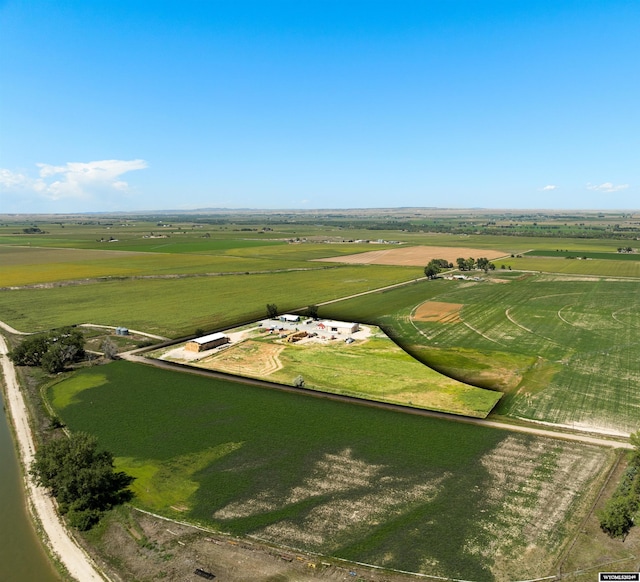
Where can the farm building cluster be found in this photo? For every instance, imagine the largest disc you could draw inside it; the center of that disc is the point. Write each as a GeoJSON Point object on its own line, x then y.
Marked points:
{"type": "Point", "coordinates": [286, 328]}
{"type": "Point", "coordinates": [295, 327]}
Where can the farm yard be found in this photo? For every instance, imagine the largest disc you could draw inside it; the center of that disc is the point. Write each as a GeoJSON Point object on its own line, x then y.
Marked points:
{"type": "Point", "coordinates": [542, 340]}
{"type": "Point", "coordinates": [363, 363]}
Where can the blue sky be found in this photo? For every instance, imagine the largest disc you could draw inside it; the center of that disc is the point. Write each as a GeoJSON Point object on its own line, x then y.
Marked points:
{"type": "Point", "coordinates": [319, 104]}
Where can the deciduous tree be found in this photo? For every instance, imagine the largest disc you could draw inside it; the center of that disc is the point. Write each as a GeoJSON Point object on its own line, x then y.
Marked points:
{"type": "Point", "coordinates": [80, 477]}
{"type": "Point", "coordinates": [53, 351]}
{"type": "Point", "coordinates": [272, 310]}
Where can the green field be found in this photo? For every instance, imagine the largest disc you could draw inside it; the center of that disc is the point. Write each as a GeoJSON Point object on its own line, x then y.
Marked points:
{"type": "Point", "coordinates": [565, 351]}
{"type": "Point", "coordinates": [176, 307]}
{"type": "Point", "coordinates": [386, 488]}
{"type": "Point", "coordinates": [384, 372]}
{"type": "Point", "coordinates": [396, 490]}
{"type": "Point", "coordinates": [567, 254]}
{"type": "Point", "coordinates": [590, 267]}
{"type": "Point", "coordinates": [23, 265]}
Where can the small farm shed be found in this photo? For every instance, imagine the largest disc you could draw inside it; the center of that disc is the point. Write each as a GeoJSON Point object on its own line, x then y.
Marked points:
{"type": "Point", "coordinates": [206, 342]}
{"type": "Point", "coordinates": [290, 318]}
{"type": "Point", "coordinates": [340, 326]}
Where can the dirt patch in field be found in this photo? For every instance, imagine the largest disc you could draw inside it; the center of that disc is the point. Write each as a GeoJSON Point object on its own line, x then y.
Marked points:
{"type": "Point", "coordinates": [148, 548]}
{"type": "Point", "coordinates": [352, 495]}
{"type": "Point", "coordinates": [413, 256]}
{"type": "Point", "coordinates": [250, 358]}
{"type": "Point", "coordinates": [438, 311]}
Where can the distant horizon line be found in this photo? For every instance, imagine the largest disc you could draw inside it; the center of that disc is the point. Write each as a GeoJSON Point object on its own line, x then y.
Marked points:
{"type": "Point", "coordinates": [226, 210]}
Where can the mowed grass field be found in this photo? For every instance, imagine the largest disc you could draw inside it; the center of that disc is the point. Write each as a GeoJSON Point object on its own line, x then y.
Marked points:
{"type": "Point", "coordinates": [386, 488]}
{"type": "Point", "coordinates": [564, 350]}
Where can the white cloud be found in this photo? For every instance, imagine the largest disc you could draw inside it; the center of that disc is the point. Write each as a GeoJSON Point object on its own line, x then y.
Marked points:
{"type": "Point", "coordinates": [607, 187]}
{"type": "Point", "coordinates": [549, 187]}
{"type": "Point", "coordinates": [80, 180]}
{"type": "Point", "coordinates": [11, 179]}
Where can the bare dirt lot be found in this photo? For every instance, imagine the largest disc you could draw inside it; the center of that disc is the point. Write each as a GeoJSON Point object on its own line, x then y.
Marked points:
{"type": "Point", "coordinates": [149, 548]}
{"type": "Point", "coordinates": [438, 311]}
{"type": "Point", "coordinates": [253, 358]}
{"type": "Point", "coordinates": [413, 256]}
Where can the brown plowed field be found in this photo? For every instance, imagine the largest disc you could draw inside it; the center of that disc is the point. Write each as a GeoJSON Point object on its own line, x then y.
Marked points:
{"type": "Point", "coordinates": [252, 358]}
{"type": "Point", "coordinates": [438, 311]}
{"type": "Point", "coordinates": [413, 256]}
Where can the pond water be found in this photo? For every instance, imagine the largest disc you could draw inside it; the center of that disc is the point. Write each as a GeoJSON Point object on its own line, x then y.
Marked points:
{"type": "Point", "coordinates": [22, 558]}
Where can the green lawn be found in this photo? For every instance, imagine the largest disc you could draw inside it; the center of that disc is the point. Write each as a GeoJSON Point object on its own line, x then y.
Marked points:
{"type": "Point", "coordinates": [379, 370]}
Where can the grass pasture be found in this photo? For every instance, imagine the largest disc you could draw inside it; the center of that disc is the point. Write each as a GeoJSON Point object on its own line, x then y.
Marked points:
{"type": "Point", "coordinates": [412, 493]}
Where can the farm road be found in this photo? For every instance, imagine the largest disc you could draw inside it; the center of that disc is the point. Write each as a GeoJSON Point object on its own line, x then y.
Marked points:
{"type": "Point", "coordinates": [62, 544]}
{"type": "Point", "coordinates": [96, 326]}
{"type": "Point", "coordinates": [12, 330]}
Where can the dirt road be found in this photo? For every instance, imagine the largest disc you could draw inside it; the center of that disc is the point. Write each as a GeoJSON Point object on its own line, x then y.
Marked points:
{"type": "Point", "coordinates": [60, 542]}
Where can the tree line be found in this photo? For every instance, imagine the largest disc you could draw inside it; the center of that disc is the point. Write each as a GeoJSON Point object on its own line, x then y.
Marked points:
{"type": "Point", "coordinates": [436, 266]}
{"type": "Point", "coordinates": [618, 515]}
{"type": "Point", "coordinates": [53, 351]}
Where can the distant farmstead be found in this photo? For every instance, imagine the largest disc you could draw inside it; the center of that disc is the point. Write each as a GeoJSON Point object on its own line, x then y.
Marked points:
{"type": "Point", "coordinates": [207, 342]}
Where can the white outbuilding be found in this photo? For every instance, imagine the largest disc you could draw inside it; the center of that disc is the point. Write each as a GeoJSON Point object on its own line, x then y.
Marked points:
{"type": "Point", "coordinates": [288, 318]}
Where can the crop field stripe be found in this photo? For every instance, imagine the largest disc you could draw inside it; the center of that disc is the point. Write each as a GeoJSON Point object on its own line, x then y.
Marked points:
{"type": "Point", "coordinates": [595, 267]}
{"type": "Point", "coordinates": [473, 329]}
{"type": "Point", "coordinates": [611, 256]}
